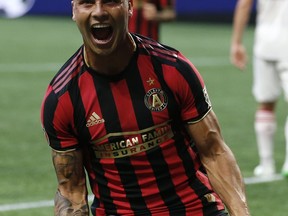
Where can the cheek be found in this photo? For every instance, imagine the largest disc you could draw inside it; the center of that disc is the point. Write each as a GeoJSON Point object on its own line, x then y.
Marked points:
{"type": "Point", "coordinates": [81, 27]}
{"type": "Point", "coordinates": [80, 22]}
{"type": "Point", "coordinates": [124, 22]}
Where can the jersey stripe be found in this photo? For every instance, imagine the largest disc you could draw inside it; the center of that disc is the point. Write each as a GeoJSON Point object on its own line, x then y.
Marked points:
{"type": "Point", "coordinates": [123, 105]}
{"type": "Point", "coordinates": [123, 165]}
{"type": "Point", "coordinates": [105, 194]}
{"type": "Point", "coordinates": [48, 111]}
{"type": "Point", "coordinates": [158, 50]}
{"type": "Point", "coordinates": [180, 146]}
{"type": "Point", "coordinates": [144, 120]}
{"type": "Point", "coordinates": [55, 116]}
{"type": "Point", "coordinates": [190, 74]}
{"type": "Point", "coordinates": [62, 73]}
{"type": "Point", "coordinates": [87, 85]}
{"type": "Point", "coordinates": [190, 167]}
{"type": "Point", "coordinates": [163, 178]}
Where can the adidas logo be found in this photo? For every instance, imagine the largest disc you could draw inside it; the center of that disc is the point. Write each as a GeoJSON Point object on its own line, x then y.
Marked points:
{"type": "Point", "coordinates": [94, 119]}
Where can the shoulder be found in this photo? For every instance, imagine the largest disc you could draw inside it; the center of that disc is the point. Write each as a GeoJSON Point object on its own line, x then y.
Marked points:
{"type": "Point", "coordinates": [70, 69]}
{"type": "Point", "coordinates": [58, 87]}
{"type": "Point", "coordinates": [151, 47]}
{"type": "Point", "coordinates": [157, 51]}
{"type": "Point", "coordinates": [163, 54]}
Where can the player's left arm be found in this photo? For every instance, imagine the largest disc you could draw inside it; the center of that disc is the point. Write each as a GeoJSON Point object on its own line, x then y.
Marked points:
{"type": "Point", "coordinates": [220, 164]}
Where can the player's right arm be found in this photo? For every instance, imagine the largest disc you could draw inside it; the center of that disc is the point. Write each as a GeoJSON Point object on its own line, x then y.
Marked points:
{"type": "Point", "coordinates": [238, 55]}
{"type": "Point", "coordinates": [57, 123]}
{"type": "Point", "coordinates": [71, 196]}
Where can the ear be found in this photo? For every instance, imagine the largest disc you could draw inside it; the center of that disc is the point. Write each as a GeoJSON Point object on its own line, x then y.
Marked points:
{"type": "Point", "coordinates": [73, 15]}
{"type": "Point", "coordinates": [130, 8]}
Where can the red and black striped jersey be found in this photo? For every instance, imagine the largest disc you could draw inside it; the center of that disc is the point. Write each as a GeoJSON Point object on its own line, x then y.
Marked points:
{"type": "Point", "coordinates": [131, 129]}
{"type": "Point", "coordinates": [138, 24]}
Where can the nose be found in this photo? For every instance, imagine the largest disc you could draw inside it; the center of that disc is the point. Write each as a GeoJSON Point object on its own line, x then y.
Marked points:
{"type": "Point", "coordinates": [99, 9]}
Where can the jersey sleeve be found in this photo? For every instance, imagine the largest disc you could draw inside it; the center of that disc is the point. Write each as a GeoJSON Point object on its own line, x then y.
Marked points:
{"type": "Point", "coordinates": [189, 90]}
{"type": "Point", "coordinates": [57, 122]}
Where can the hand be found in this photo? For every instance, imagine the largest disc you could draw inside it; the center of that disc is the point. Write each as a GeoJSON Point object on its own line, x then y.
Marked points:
{"type": "Point", "coordinates": [238, 56]}
{"type": "Point", "coordinates": [149, 11]}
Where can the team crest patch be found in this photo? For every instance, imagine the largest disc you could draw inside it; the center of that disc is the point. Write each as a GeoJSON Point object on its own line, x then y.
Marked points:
{"type": "Point", "coordinates": [156, 100]}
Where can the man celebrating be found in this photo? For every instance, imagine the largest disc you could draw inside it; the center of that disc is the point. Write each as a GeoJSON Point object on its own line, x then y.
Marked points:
{"type": "Point", "coordinates": [136, 117]}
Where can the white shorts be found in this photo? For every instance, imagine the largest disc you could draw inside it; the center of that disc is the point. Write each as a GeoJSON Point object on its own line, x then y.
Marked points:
{"type": "Point", "coordinates": [270, 78]}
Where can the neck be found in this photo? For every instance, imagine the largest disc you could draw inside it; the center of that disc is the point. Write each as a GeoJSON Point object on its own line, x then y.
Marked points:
{"type": "Point", "coordinates": [114, 63]}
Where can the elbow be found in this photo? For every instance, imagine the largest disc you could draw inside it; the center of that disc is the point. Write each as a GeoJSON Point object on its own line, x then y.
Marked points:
{"type": "Point", "coordinates": [212, 146]}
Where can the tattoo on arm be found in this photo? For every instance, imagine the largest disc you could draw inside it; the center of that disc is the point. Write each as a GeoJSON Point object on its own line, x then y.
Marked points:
{"type": "Point", "coordinates": [66, 165]}
{"type": "Point", "coordinates": [71, 178]}
{"type": "Point", "coordinates": [64, 207]}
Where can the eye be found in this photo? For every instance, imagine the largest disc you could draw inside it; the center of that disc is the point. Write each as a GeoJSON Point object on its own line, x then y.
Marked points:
{"type": "Point", "coordinates": [111, 2]}
{"type": "Point", "coordinates": [86, 1]}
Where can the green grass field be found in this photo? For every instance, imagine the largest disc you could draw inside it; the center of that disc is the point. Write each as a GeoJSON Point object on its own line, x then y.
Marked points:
{"type": "Point", "coordinates": [31, 51]}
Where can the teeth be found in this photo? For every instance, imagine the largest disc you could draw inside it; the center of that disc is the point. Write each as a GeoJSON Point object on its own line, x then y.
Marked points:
{"type": "Point", "coordinates": [100, 26]}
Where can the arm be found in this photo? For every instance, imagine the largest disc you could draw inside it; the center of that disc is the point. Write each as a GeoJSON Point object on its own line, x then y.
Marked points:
{"type": "Point", "coordinates": [220, 164]}
{"type": "Point", "coordinates": [238, 55]}
{"type": "Point", "coordinates": [71, 196]}
{"type": "Point", "coordinates": [151, 13]}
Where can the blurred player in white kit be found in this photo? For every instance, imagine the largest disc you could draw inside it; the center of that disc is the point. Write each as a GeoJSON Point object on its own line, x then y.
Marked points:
{"type": "Point", "coordinates": [270, 68]}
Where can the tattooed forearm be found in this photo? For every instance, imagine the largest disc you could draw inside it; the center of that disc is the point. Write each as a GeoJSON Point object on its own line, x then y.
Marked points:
{"type": "Point", "coordinates": [66, 165]}
{"type": "Point", "coordinates": [64, 207]}
{"type": "Point", "coordinates": [71, 197]}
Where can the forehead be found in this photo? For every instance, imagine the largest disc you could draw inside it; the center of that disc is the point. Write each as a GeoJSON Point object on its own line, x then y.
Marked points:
{"type": "Point", "coordinates": [101, 0]}
{"type": "Point", "coordinates": [128, 3]}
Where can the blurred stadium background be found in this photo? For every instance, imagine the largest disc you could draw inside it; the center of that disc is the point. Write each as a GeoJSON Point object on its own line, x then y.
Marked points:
{"type": "Point", "coordinates": [33, 47]}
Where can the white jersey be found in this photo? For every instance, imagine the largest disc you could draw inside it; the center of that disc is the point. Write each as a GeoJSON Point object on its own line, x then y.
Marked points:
{"type": "Point", "coordinates": [271, 34]}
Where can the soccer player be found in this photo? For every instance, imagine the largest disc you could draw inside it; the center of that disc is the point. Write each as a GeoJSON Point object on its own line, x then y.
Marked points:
{"type": "Point", "coordinates": [136, 117]}
{"type": "Point", "coordinates": [148, 14]}
{"type": "Point", "coordinates": [270, 67]}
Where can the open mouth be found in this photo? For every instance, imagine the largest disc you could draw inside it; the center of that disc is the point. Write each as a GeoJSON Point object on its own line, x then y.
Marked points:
{"type": "Point", "coordinates": [102, 32]}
